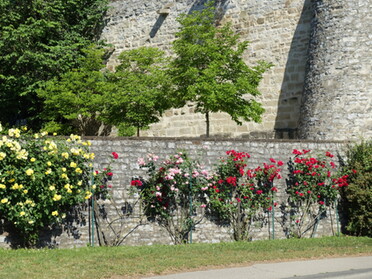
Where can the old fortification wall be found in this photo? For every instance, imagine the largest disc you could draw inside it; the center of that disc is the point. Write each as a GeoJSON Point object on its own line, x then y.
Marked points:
{"type": "Point", "coordinates": [337, 100]}
{"type": "Point", "coordinates": [278, 31]}
{"type": "Point", "coordinates": [338, 87]}
{"type": "Point", "coordinates": [76, 233]}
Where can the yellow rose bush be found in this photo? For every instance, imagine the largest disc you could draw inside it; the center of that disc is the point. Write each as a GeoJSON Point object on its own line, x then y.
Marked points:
{"type": "Point", "coordinates": [41, 178]}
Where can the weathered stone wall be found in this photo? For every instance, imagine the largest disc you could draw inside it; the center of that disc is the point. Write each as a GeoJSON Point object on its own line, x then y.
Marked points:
{"type": "Point", "coordinates": [278, 31]}
{"type": "Point", "coordinates": [337, 101]}
{"type": "Point", "coordinates": [75, 234]}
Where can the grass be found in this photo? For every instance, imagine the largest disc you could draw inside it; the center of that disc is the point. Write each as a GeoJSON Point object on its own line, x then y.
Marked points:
{"type": "Point", "coordinates": [140, 261]}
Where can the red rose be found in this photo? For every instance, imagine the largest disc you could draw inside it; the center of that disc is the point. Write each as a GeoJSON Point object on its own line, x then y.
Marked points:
{"type": "Point", "coordinates": [115, 155]}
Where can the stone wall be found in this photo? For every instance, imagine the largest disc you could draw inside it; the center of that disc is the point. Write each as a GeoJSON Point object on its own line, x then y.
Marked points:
{"type": "Point", "coordinates": [337, 101]}
{"type": "Point", "coordinates": [278, 32]}
{"type": "Point", "coordinates": [136, 230]}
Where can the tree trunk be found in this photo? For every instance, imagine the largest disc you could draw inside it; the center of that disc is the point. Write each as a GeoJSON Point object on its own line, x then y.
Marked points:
{"type": "Point", "coordinates": [138, 131]}
{"type": "Point", "coordinates": [207, 123]}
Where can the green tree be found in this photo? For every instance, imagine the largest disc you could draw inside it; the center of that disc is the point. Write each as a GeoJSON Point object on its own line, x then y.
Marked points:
{"type": "Point", "coordinates": [39, 40]}
{"type": "Point", "coordinates": [74, 102]}
{"type": "Point", "coordinates": [357, 196]}
{"type": "Point", "coordinates": [209, 70]}
{"type": "Point", "coordinates": [142, 87]}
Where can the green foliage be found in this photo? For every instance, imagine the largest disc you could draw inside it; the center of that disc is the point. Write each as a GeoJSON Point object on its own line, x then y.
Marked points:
{"type": "Point", "coordinates": [209, 69]}
{"type": "Point", "coordinates": [141, 89]}
{"type": "Point", "coordinates": [173, 192]}
{"type": "Point", "coordinates": [358, 195]}
{"type": "Point", "coordinates": [39, 40]}
{"type": "Point", "coordinates": [126, 131]}
{"type": "Point", "coordinates": [40, 179]}
{"type": "Point", "coordinates": [313, 186]}
{"type": "Point", "coordinates": [73, 101]}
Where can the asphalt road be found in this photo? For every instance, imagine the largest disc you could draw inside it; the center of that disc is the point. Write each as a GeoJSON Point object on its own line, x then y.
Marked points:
{"type": "Point", "coordinates": [335, 268]}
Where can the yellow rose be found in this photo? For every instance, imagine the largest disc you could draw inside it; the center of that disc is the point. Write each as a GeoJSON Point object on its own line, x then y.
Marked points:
{"type": "Point", "coordinates": [64, 169]}
{"type": "Point", "coordinates": [63, 175]}
{"type": "Point", "coordinates": [88, 195]}
{"type": "Point", "coordinates": [54, 134]}
{"type": "Point", "coordinates": [73, 165]}
{"type": "Point", "coordinates": [22, 213]}
{"type": "Point", "coordinates": [65, 155]}
{"type": "Point", "coordinates": [49, 163]}
{"type": "Point", "coordinates": [30, 222]}
{"type": "Point", "coordinates": [25, 191]}
{"type": "Point", "coordinates": [57, 197]}
{"type": "Point", "coordinates": [67, 186]}
{"type": "Point", "coordinates": [2, 186]}
{"type": "Point", "coordinates": [29, 172]}
{"type": "Point", "coordinates": [48, 171]}
{"type": "Point", "coordinates": [78, 170]}
{"type": "Point", "coordinates": [2, 155]}
{"type": "Point", "coordinates": [55, 213]}
{"type": "Point", "coordinates": [5, 200]}
{"type": "Point", "coordinates": [32, 159]}
{"type": "Point", "coordinates": [80, 183]}
{"type": "Point", "coordinates": [52, 188]}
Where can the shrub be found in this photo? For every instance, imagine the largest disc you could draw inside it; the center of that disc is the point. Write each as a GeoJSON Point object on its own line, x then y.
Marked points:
{"type": "Point", "coordinates": [313, 186]}
{"type": "Point", "coordinates": [239, 194]}
{"type": "Point", "coordinates": [357, 196]}
{"type": "Point", "coordinates": [40, 179]}
{"type": "Point", "coordinates": [172, 193]}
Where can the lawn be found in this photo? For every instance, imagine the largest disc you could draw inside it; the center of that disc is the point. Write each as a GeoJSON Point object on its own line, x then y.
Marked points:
{"type": "Point", "coordinates": [140, 261]}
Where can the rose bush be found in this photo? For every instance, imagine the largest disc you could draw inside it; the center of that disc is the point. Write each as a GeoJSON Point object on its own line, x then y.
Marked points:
{"type": "Point", "coordinates": [241, 193]}
{"type": "Point", "coordinates": [172, 192]}
{"type": "Point", "coordinates": [313, 186]}
{"type": "Point", "coordinates": [102, 178]}
{"type": "Point", "coordinates": [40, 179]}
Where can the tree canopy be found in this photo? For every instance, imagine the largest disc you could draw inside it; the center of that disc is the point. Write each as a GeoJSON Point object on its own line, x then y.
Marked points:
{"type": "Point", "coordinates": [74, 102]}
{"type": "Point", "coordinates": [39, 40]}
{"type": "Point", "coordinates": [209, 70]}
{"type": "Point", "coordinates": [142, 89]}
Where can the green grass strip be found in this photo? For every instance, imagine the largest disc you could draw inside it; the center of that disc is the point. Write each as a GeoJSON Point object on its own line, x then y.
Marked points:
{"type": "Point", "coordinates": [136, 261]}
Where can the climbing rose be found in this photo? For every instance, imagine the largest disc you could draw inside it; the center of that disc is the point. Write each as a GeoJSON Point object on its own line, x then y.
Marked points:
{"type": "Point", "coordinates": [115, 155]}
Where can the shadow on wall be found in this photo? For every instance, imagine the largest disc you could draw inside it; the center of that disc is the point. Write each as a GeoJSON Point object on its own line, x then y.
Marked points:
{"type": "Point", "coordinates": [71, 228]}
{"type": "Point", "coordinates": [289, 103]}
{"type": "Point", "coordinates": [220, 5]}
